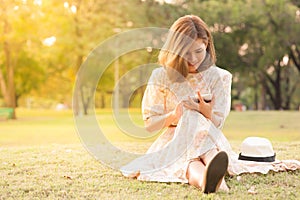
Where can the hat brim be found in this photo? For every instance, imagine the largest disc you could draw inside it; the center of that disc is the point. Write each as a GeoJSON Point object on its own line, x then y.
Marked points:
{"type": "Point", "coordinates": [257, 159]}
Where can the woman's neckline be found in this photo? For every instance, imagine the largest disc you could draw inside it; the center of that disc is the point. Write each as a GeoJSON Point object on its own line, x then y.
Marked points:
{"type": "Point", "coordinates": [204, 67]}
{"type": "Point", "coordinates": [201, 69]}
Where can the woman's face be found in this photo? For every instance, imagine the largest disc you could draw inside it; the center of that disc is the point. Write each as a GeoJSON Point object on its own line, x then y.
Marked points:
{"type": "Point", "coordinates": [195, 55]}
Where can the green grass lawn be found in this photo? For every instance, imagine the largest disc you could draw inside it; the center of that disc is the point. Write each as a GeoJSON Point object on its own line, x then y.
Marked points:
{"type": "Point", "coordinates": [41, 157]}
{"type": "Point", "coordinates": [38, 127]}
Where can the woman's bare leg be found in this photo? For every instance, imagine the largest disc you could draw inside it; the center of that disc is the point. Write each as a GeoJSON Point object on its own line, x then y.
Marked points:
{"type": "Point", "coordinates": [195, 173]}
{"type": "Point", "coordinates": [207, 157]}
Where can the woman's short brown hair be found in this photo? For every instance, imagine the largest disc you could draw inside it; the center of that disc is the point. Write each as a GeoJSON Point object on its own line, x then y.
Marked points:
{"type": "Point", "coordinates": [182, 34]}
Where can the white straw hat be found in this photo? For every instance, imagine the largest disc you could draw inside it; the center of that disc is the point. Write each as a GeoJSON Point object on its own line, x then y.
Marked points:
{"type": "Point", "coordinates": [257, 149]}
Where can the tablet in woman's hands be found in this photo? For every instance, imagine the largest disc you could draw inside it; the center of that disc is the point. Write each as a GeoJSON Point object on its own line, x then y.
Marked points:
{"type": "Point", "coordinates": [206, 97]}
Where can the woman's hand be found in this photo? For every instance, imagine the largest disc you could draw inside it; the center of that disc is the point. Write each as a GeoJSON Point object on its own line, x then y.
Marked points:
{"type": "Point", "coordinates": [204, 108]}
{"type": "Point", "coordinates": [158, 122]}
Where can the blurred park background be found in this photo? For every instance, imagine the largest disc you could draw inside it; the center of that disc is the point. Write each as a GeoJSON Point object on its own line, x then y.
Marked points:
{"type": "Point", "coordinates": [43, 44]}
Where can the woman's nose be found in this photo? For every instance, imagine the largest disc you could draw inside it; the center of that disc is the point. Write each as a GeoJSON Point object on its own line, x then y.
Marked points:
{"type": "Point", "coordinates": [193, 58]}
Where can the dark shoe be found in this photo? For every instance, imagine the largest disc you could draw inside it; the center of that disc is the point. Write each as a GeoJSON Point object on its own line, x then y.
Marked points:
{"type": "Point", "coordinates": [214, 173]}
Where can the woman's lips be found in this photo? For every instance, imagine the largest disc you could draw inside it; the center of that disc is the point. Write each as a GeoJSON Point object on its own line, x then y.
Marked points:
{"type": "Point", "coordinates": [191, 65]}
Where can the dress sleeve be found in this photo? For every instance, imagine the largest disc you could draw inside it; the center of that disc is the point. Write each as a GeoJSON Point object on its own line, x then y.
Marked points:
{"type": "Point", "coordinates": [222, 98]}
{"type": "Point", "coordinates": [153, 99]}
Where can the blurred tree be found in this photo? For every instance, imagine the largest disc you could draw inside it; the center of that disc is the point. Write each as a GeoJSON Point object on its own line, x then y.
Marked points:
{"type": "Point", "coordinates": [135, 14]}
{"type": "Point", "coordinates": [150, 13]}
{"type": "Point", "coordinates": [253, 38]}
{"type": "Point", "coordinates": [93, 22]}
{"type": "Point", "coordinates": [19, 22]}
{"type": "Point", "coordinates": [269, 38]}
{"type": "Point", "coordinates": [47, 42]}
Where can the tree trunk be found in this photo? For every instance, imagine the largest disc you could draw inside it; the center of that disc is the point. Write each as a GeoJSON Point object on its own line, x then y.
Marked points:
{"type": "Point", "coordinates": [76, 101]}
{"type": "Point", "coordinates": [295, 56]}
{"type": "Point", "coordinates": [255, 93]}
{"type": "Point", "coordinates": [76, 93]}
{"type": "Point", "coordinates": [262, 103]}
{"type": "Point", "coordinates": [8, 92]}
{"type": "Point", "coordinates": [102, 100]}
{"type": "Point", "coordinates": [278, 96]}
{"type": "Point", "coordinates": [84, 92]}
{"type": "Point", "coordinates": [3, 88]}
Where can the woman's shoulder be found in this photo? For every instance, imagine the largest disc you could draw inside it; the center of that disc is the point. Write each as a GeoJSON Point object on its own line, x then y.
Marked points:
{"type": "Point", "coordinates": [220, 71]}
{"type": "Point", "coordinates": [158, 72]}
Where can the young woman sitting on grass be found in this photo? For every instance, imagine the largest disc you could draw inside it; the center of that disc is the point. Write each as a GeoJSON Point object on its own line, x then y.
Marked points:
{"type": "Point", "coordinates": [190, 96]}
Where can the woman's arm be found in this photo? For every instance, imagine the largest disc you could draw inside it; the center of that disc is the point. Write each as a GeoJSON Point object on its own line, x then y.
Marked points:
{"type": "Point", "coordinates": [157, 122]}
{"type": "Point", "coordinates": [155, 114]}
{"type": "Point", "coordinates": [221, 98]}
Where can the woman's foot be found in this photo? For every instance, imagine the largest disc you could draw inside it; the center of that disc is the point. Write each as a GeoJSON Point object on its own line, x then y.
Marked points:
{"type": "Point", "coordinates": [215, 172]}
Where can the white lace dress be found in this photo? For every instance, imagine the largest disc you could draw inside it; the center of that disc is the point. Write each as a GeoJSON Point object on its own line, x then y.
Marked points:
{"type": "Point", "coordinates": [168, 157]}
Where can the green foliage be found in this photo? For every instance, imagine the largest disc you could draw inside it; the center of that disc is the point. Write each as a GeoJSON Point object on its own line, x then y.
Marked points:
{"type": "Point", "coordinates": [259, 34]}
{"type": "Point", "coordinates": [250, 37]}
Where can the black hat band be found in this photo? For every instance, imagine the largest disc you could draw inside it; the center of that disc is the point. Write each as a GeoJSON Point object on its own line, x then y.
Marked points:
{"type": "Point", "coordinates": [257, 159]}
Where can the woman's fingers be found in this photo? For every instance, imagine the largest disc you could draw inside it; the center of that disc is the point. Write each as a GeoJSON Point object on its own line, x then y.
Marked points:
{"type": "Point", "coordinates": [189, 107]}
{"type": "Point", "coordinates": [212, 98]}
{"type": "Point", "coordinates": [200, 97]}
{"type": "Point", "coordinates": [192, 101]}
{"type": "Point", "coordinates": [178, 109]}
{"type": "Point", "coordinates": [190, 104]}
